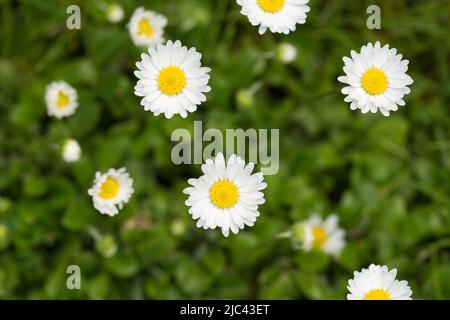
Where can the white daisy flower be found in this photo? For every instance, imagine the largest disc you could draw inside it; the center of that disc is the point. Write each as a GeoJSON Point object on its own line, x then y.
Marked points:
{"type": "Point", "coordinates": [227, 195]}
{"type": "Point", "coordinates": [377, 283]}
{"type": "Point", "coordinates": [376, 79]}
{"type": "Point", "coordinates": [146, 27]}
{"type": "Point", "coordinates": [71, 150]}
{"type": "Point", "coordinates": [324, 235]}
{"type": "Point", "coordinates": [114, 13]}
{"type": "Point", "coordinates": [111, 190]}
{"type": "Point", "coordinates": [286, 52]}
{"type": "Point", "coordinates": [171, 79]}
{"type": "Point", "coordinates": [280, 16]}
{"type": "Point", "coordinates": [61, 99]}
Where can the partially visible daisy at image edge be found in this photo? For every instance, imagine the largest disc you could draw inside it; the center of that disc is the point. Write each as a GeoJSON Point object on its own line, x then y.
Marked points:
{"type": "Point", "coordinates": [146, 27]}
{"type": "Point", "coordinates": [376, 79]}
{"type": "Point", "coordinates": [111, 190]}
{"type": "Point", "coordinates": [227, 195]}
{"type": "Point", "coordinates": [378, 283]}
{"type": "Point", "coordinates": [279, 16]}
{"type": "Point", "coordinates": [61, 99]}
{"type": "Point", "coordinates": [320, 234]}
{"type": "Point", "coordinates": [171, 80]}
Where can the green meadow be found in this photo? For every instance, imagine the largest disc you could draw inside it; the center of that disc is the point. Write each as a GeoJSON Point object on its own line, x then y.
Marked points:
{"type": "Point", "coordinates": [387, 178]}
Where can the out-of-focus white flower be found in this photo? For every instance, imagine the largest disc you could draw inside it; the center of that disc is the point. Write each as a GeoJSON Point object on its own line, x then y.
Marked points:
{"type": "Point", "coordinates": [114, 13]}
{"type": "Point", "coordinates": [286, 52]}
{"type": "Point", "coordinates": [322, 234]}
{"type": "Point", "coordinates": [61, 99]}
{"type": "Point", "coordinates": [71, 150]}
{"type": "Point", "coordinates": [147, 27]}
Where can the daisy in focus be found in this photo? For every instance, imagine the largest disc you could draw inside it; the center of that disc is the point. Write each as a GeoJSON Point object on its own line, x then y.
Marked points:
{"type": "Point", "coordinates": [146, 27]}
{"type": "Point", "coordinates": [171, 80]}
{"type": "Point", "coordinates": [227, 195]}
{"type": "Point", "coordinates": [71, 150]}
{"type": "Point", "coordinates": [61, 99]}
{"type": "Point", "coordinates": [321, 234]}
{"type": "Point", "coordinates": [279, 16]}
{"type": "Point", "coordinates": [111, 190]}
{"type": "Point", "coordinates": [376, 79]}
{"type": "Point", "coordinates": [377, 283]}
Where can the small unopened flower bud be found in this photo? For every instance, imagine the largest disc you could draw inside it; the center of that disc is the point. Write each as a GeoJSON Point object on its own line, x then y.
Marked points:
{"type": "Point", "coordinates": [245, 98]}
{"type": "Point", "coordinates": [115, 13]}
{"type": "Point", "coordinates": [178, 227]}
{"type": "Point", "coordinates": [286, 52]}
{"type": "Point", "coordinates": [71, 151]}
{"type": "Point", "coordinates": [202, 16]}
{"type": "Point", "coordinates": [106, 246]}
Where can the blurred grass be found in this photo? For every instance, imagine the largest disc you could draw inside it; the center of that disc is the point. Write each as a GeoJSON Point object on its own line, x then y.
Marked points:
{"type": "Point", "coordinates": [387, 178]}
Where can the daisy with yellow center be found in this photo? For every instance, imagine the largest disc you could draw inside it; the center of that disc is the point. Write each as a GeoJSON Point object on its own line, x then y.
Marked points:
{"type": "Point", "coordinates": [227, 195]}
{"type": "Point", "coordinates": [279, 16]}
{"type": "Point", "coordinates": [146, 27]}
{"type": "Point", "coordinates": [376, 79]}
{"type": "Point", "coordinates": [61, 99]}
{"type": "Point", "coordinates": [111, 191]}
{"type": "Point", "coordinates": [171, 80]}
{"type": "Point", "coordinates": [323, 234]}
{"type": "Point", "coordinates": [377, 283]}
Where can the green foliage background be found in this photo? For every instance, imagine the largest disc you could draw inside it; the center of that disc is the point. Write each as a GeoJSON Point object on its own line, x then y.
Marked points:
{"type": "Point", "coordinates": [387, 178]}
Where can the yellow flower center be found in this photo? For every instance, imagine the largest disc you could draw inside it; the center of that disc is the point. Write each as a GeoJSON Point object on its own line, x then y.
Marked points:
{"type": "Point", "coordinates": [271, 6]}
{"type": "Point", "coordinates": [374, 81]}
{"type": "Point", "coordinates": [145, 28]}
{"type": "Point", "coordinates": [171, 80]}
{"type": "Point", "coordinates": [224, 194]}
{"type": "Point", "coordinates": [109, 188]}
{"type": "Point", "coordinates": [320, 236]}
{"type": "Point", "coordinates": [62, 100]}
{"type": "Point", "coordinates": [377, 294]}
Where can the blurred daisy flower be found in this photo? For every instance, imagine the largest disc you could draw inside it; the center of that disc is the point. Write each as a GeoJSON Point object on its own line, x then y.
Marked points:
{"type": "Point", "coordinates": [71, 151]}
{"type": "Point", "coordinates": [227, 195]}
{"type": "Point", "coordinates": [114, 13]}
{"type": "Point", "coordinates": [280, 16]}
{"type": "Point", "coordinates": [171, 79]}
{"type": "Point", "coordinates": [286, 52]}
{"type": "Point", "coordinates": [378, 283]}
{"type": "Point", "coordinates": [321, 234]}
{"type": "Point", "coordinates": [111, 190]}
{"type": "Point", "coordinates": [376, 79]}
{"type": "Point", "coordinates": [61, 99]}
{"type": "Point", "coordinates": [146, 27]}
